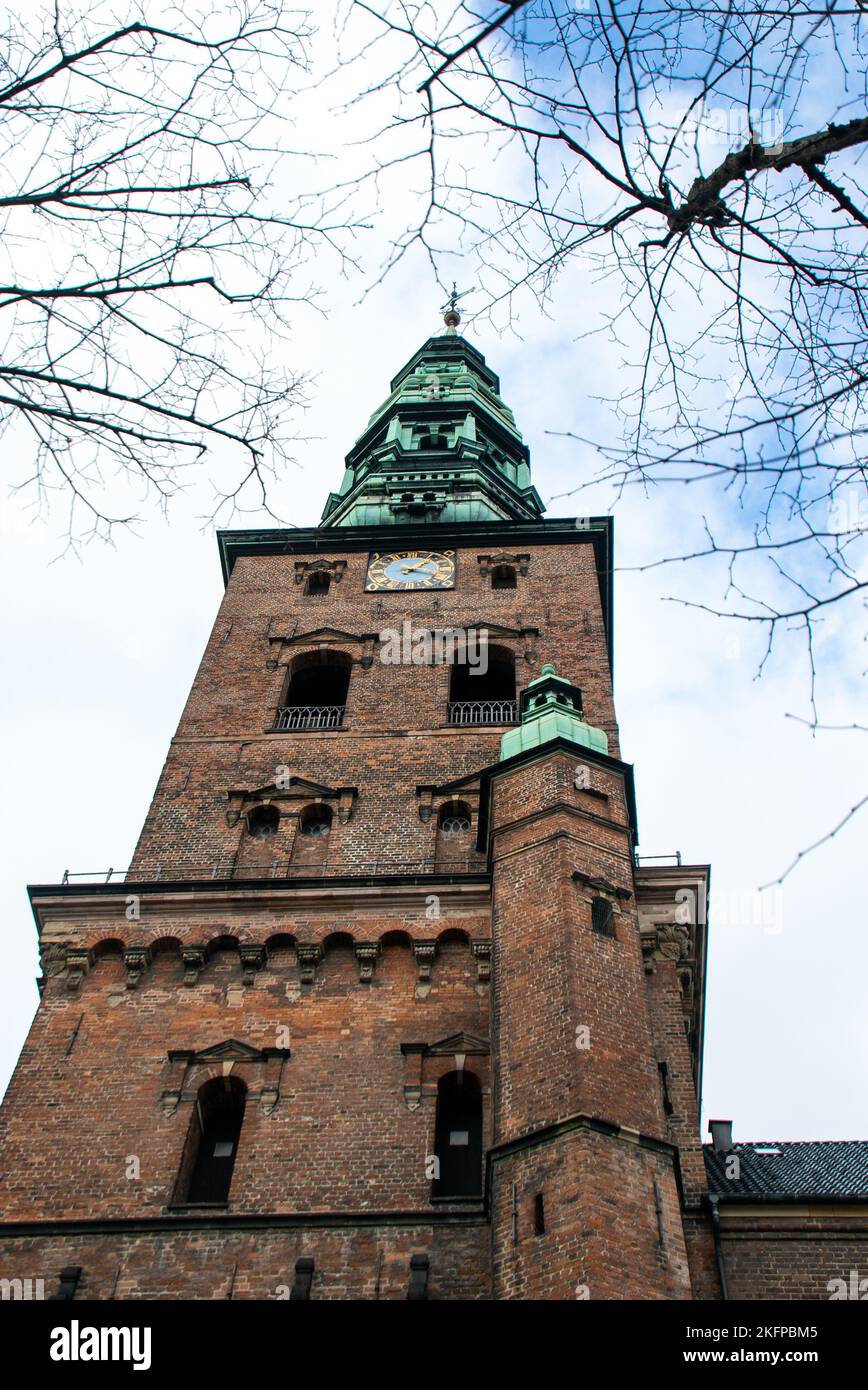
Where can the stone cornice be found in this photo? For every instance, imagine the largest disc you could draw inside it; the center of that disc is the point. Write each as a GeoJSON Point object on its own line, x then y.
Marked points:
{"type": "Point", "coordinates": [83, 902]}
{"type": "Point", "coordinates": [466, 1214]}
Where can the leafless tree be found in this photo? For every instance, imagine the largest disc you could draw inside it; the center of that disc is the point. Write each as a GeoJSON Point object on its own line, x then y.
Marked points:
{"type": "Point", "coordinates": [703, 158]}
{"type": "Point", "coordinates": [145, 266]}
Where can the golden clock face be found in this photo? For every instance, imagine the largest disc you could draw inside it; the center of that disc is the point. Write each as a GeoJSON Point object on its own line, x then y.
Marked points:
{"type": "Point", "coordinates": [411, 569]}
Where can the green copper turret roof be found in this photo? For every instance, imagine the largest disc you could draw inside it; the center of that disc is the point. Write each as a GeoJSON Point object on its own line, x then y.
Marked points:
{"type": "Point", "coordinates": [443, 446]}
{"type": "Point", "coordinates": [551, 708]}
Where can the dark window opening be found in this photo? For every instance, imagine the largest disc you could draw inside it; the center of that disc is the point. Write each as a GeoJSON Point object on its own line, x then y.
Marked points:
{"type": "Point", "coordinates": [432, 440]}
{"type": "Point", "coordinates": [663, 1072]}
{"type": "Point", "coordinates": [213, 1143]}
{"type": "Point", "coordinates": [318, 583]}
{"type": "Point", "coordinates": [315, 820]}
{"type": "Point", "coordinates": [263, 822]}
{"type": "Point", "coordinates": [458, 1136]}
{"type": "Point", "coordinates": [602, 916]}
{"type": "Point", "coordinates": [539, 1215]}
{"type": "Point", "coordinates": [482, 690]}
{"type": "Point", "coordinates": [454, 818]}
{"type": "Point", "coordinates": [503, 577]}
{"type": "Point", "coordinates": [319, 680]}
{"type": "Point", "coordinates": [497, 682]}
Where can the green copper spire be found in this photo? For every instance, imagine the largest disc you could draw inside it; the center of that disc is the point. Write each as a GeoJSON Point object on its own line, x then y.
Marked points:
{"type": "Point", "coordinates": [551, 708]}
{"type": "Point", "coordinates": [442, 447]}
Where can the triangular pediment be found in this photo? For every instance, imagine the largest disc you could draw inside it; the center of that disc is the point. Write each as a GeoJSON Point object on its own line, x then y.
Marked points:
{"type": "Point", "coordinates": [326, 635]}
{"type": "Point", "coordinates": [497, 630]}
{"type": "Point", "coordinates": [294, 786]}
{"type": "Point", "coordinates": [469, 783]}
{"type": "Point", "coordinates": [229, 1051]}
{"type": "Point", "coordinates": [465, 1043]}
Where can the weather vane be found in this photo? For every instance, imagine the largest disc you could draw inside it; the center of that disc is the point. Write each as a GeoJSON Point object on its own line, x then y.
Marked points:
{"type": "Point", "coordinates": [451, 316]}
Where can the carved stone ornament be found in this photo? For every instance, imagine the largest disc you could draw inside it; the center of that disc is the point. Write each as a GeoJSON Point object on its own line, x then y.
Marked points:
{"type": "Point", "coordinates": [482, 951]}
{"type": "Point", "coordinates": [425, 953]}
{"type": "Point", "coordinates": [77, 965]}
{"type": "Point", "coordinates": [252, 959]}
{"type": "Point", "coordinates": [333, 568]}
{"type": "Point", "coordinates": [672, 942]}
{"type": "Point", "coordinates": [309, 955]}
{"type": "Point", "coordinates": [136, 959]}
{"type": "Point", "coordinates": [366, 953]}
{"type": "Point", "coordinates": [489, 562]}
{"type": "Point", "coordinates": [52, 958]}
{"type": "Point", "coordinates": [194, 958]}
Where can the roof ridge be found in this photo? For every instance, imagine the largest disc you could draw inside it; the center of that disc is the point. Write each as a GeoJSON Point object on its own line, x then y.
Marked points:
{"type": "Point", "coordinates": [786, 1143]}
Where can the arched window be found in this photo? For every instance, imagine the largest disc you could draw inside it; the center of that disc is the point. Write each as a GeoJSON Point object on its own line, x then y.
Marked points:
{"type": "Point", "coordinates": [212, 1144]}
{"type": "Point", "coordinates": [311, 844]}
{"type": "Point", "coordinates": [458, 1136]}
{"type": "Point", "coordinates": [315, 820]}
{"type": "Point", "coordinates": [263, 822]}
{"type": "Point", "coordinates": [318, 583]}
{"type": "Point", "coordinates": [111, 946]}
{"type": "Point", "coordinates": [454, 818]}
{"type": "Point", "coordinates": [482, 688]}
{"type": "Point", "coordinates": [316, 695]}
{"type": "Point", "coordinates": [503, 577]}
{"type": "Point", "coordinates": [454, 841]}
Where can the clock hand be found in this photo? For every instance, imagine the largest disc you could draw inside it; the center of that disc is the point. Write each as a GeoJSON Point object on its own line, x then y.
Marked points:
{"type": "Point", "coordinates": [408, 569]}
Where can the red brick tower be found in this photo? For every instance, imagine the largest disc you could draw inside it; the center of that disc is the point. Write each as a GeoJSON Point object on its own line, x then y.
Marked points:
{"type": "Point", "coordinates": [383, 1007]}
{"type": "Point", "coordinates": [579, 1127]}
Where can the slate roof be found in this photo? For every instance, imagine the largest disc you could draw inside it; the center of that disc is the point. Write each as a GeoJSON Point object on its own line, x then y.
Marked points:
{"type": "Point", "coordinates": [787, 1171]}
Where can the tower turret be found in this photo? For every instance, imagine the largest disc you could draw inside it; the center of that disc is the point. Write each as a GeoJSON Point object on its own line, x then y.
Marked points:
{"type": "Point", "coordinates": [443, 447]}
{"type": "Point", "coordinates": [579, 1131]}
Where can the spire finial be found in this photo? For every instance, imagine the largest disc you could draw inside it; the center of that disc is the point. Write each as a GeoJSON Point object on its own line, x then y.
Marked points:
{"type": "Point", "coordinates": [451, 316]}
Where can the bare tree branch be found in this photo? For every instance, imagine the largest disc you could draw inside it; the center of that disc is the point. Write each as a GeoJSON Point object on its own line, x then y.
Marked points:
{"type": "Point", "coordinates": [146, 269]}
{"type": "Point", "coordinates": [823, 840]}
{"type": "Point", "coordinates": [703, 164]}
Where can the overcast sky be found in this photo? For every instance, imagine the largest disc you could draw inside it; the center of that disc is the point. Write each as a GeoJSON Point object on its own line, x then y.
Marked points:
{"type": "Point", "coordinates": [100, 650]}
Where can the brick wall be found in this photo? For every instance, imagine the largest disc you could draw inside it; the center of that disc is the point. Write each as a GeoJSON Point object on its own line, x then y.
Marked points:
{"type": "Point", "coordinates": [88, 1094]}
{"type": "Point", "coordinates": [367, 1262]}
{"type": "Point", "coordinates": [776, 1253]}
{"type": "Point", "coordinates": [603, 1238]}
{"type": "Point", "coordinates": [396, 735]}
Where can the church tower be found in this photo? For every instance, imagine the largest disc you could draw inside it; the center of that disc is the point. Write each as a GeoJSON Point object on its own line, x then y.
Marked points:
{"type": "Point", "coordinates": [385, 1005]}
